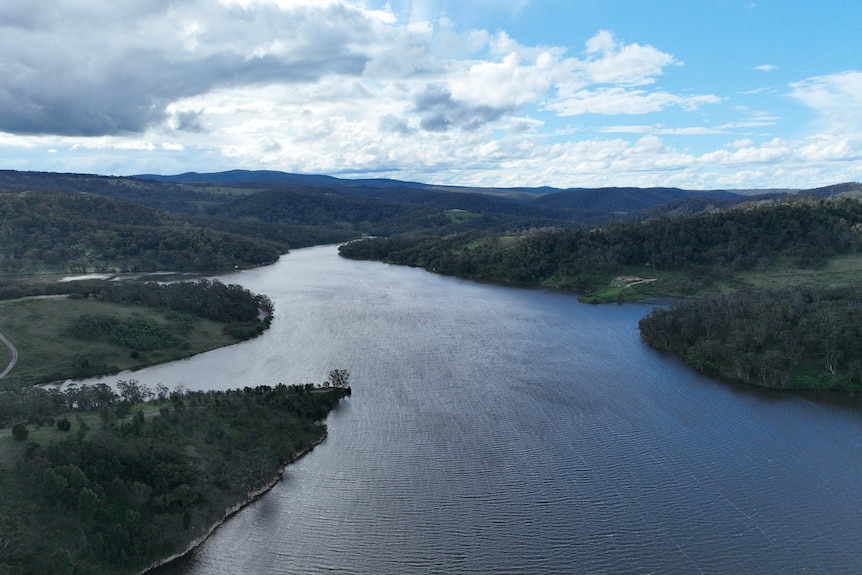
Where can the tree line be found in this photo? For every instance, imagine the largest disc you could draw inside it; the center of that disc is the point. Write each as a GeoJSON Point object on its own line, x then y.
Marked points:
{"type": "Point", "coordinates": [210, 299]}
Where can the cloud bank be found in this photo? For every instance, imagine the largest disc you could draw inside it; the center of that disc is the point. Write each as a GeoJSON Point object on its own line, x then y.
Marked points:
{"type": "Point", "coordinates": [340, 87]}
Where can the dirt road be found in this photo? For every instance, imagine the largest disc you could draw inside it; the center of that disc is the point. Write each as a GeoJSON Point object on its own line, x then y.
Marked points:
{"type": "Point", "coordinates": [14, 356]}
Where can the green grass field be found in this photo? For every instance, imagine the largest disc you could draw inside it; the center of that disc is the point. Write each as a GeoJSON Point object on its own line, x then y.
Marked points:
{"type": "Point", "coordinates": [837, 271]}
{"type": "Point", "coordinates": [37, 329]}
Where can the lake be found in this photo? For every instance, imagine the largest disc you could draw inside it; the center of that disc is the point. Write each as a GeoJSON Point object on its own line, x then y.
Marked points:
{"type": "Point", "coordinates": [496, 430]}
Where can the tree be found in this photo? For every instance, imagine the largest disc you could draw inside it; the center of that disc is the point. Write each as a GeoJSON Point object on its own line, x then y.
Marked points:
{"type": "Point", "coordinates": [338, 378]}
{"type": "Point", "coordinates": [20, 431]}
{"type": "Point", "coordinates": [134, 392]}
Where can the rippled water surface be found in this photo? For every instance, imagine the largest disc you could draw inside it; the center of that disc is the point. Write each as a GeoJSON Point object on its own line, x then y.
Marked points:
{"type": "Point", "coordinates": [499, 430]}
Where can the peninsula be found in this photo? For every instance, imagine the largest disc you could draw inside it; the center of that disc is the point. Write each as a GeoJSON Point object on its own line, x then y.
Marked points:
{"type": "Point", "coordinates": [98, 482]}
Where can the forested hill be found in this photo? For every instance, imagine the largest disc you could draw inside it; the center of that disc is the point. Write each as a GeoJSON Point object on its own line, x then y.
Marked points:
{"type": "Point", "coordinates": [55, 231]}
{"type": "Point", "coordinates": [627, 200]}
{"type": "Point", "coordinates": [573, 205]}
{"type": "Point", "coordinates": [141, 192]}
{"type": "Point", "coordinates": [791, 338]}
{"type": "Point", "coordinates": [700, 249]}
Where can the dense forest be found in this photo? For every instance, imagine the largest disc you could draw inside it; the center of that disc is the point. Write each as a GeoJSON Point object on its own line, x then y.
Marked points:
{"type": "Point", "coordinates": [785, 338]}
{"type": "Point", "coordinates": [84, 233]}
{"type": "Point", "coordinates": [706, 247]}
{"type": "Point", "coordinates": [97, 482]}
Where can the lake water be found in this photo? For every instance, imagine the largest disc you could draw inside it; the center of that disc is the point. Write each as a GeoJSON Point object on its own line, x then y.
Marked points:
{"type": "Point", "coordinates": [495, 430]}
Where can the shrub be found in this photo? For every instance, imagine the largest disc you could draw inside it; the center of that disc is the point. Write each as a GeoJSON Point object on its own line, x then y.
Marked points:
{"type": "Point", "coordinates": [20, 431]}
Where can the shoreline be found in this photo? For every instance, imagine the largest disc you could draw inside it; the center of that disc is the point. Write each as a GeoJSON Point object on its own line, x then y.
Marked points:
{"type": "Point", "coordinates": [251, 497]}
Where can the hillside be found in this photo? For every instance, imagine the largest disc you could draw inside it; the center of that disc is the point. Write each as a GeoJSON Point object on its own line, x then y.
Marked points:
{"type": "Point", "coordinates": [691, 252]}
{"type": "Point", "coordinates": [626, 200]}
{"type": "Point", "coordinates": [75, 232]}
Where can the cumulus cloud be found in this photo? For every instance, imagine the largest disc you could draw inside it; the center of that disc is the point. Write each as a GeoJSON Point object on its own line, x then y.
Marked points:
{"type": "Point", "coordinates": [188, 121]}
{"type": "Point", "coordinates": [96, 67]}
{"type": "Point", "coordinates": [623, 70]}
{"type": "Point", "coordinates": [609, 62]}
{"type": "Point", "coordinates": [440, 111]}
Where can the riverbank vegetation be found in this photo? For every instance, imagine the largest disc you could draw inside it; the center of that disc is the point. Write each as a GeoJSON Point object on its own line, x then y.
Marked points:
{"type": "Point", "coordinates": [792, 338]}
{"type": "Point", "coordinates": [83, 329]}
{"type": "Point", "coordinates": [97, 482]}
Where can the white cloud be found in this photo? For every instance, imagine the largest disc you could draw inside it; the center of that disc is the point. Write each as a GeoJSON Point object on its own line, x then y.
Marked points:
{"type": "Point", "coordinates": [608, 62]}
{"type": "Point", "coordinates": [95, 68]}
{"type": "Point", "coordinates": [741, 143]}
{"type": "Point", "coordinates": [751, 120]}
{"type": "Point", "coordinates": [769, 152]}
{"type": "Point", "coordinates": [506, 84]}
{"type": "Point", "coordinates": [614, 101]}
{"type": "Point", "coordinates": [837, 98]}
{"type": "Point", "coordinates": [766, 68]}
{"type": "Point", "coordinates": [660, 130]}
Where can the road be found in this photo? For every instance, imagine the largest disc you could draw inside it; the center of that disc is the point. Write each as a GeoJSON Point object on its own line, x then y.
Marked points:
{"type": "Point", "coordinates": [14, 356]}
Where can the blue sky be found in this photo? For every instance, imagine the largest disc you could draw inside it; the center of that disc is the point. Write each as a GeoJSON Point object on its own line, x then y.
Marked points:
{"type": "Point", "coordinates": [699, 94]}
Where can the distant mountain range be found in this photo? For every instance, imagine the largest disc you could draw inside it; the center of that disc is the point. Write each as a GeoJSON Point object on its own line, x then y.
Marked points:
{"type": "Point", "coordinates": [360, 204]}
{"type": "Point", "coordinates": [548, 201]}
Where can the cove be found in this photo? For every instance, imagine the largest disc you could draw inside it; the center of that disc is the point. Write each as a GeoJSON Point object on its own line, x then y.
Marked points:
{"type": "Point", "coordinates": [504, 430]}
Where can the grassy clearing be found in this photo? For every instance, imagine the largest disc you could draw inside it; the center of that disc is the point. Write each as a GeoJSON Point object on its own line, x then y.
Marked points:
{"type": "Point", "coordinates": [460, 216]}
{"type": "Point", "coordinates": [479, 242]}
{"type": "Point", "coordinates": [223, 190]}
{"type": "Point", "coordinates": [45, 353]}
{"type": "Point", "coordinates": [837, 271]}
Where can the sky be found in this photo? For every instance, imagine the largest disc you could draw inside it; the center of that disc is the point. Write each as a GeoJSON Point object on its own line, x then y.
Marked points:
{"type": "Point", "coordinates": [698, 94]}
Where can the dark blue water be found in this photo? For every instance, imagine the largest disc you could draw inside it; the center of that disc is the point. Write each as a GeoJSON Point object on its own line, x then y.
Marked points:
{"type": "Point", "coordinates": [499, 430]}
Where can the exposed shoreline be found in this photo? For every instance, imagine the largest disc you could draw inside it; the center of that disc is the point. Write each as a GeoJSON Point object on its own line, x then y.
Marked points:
{"type": "Point", "coordinates": [251, 497]}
